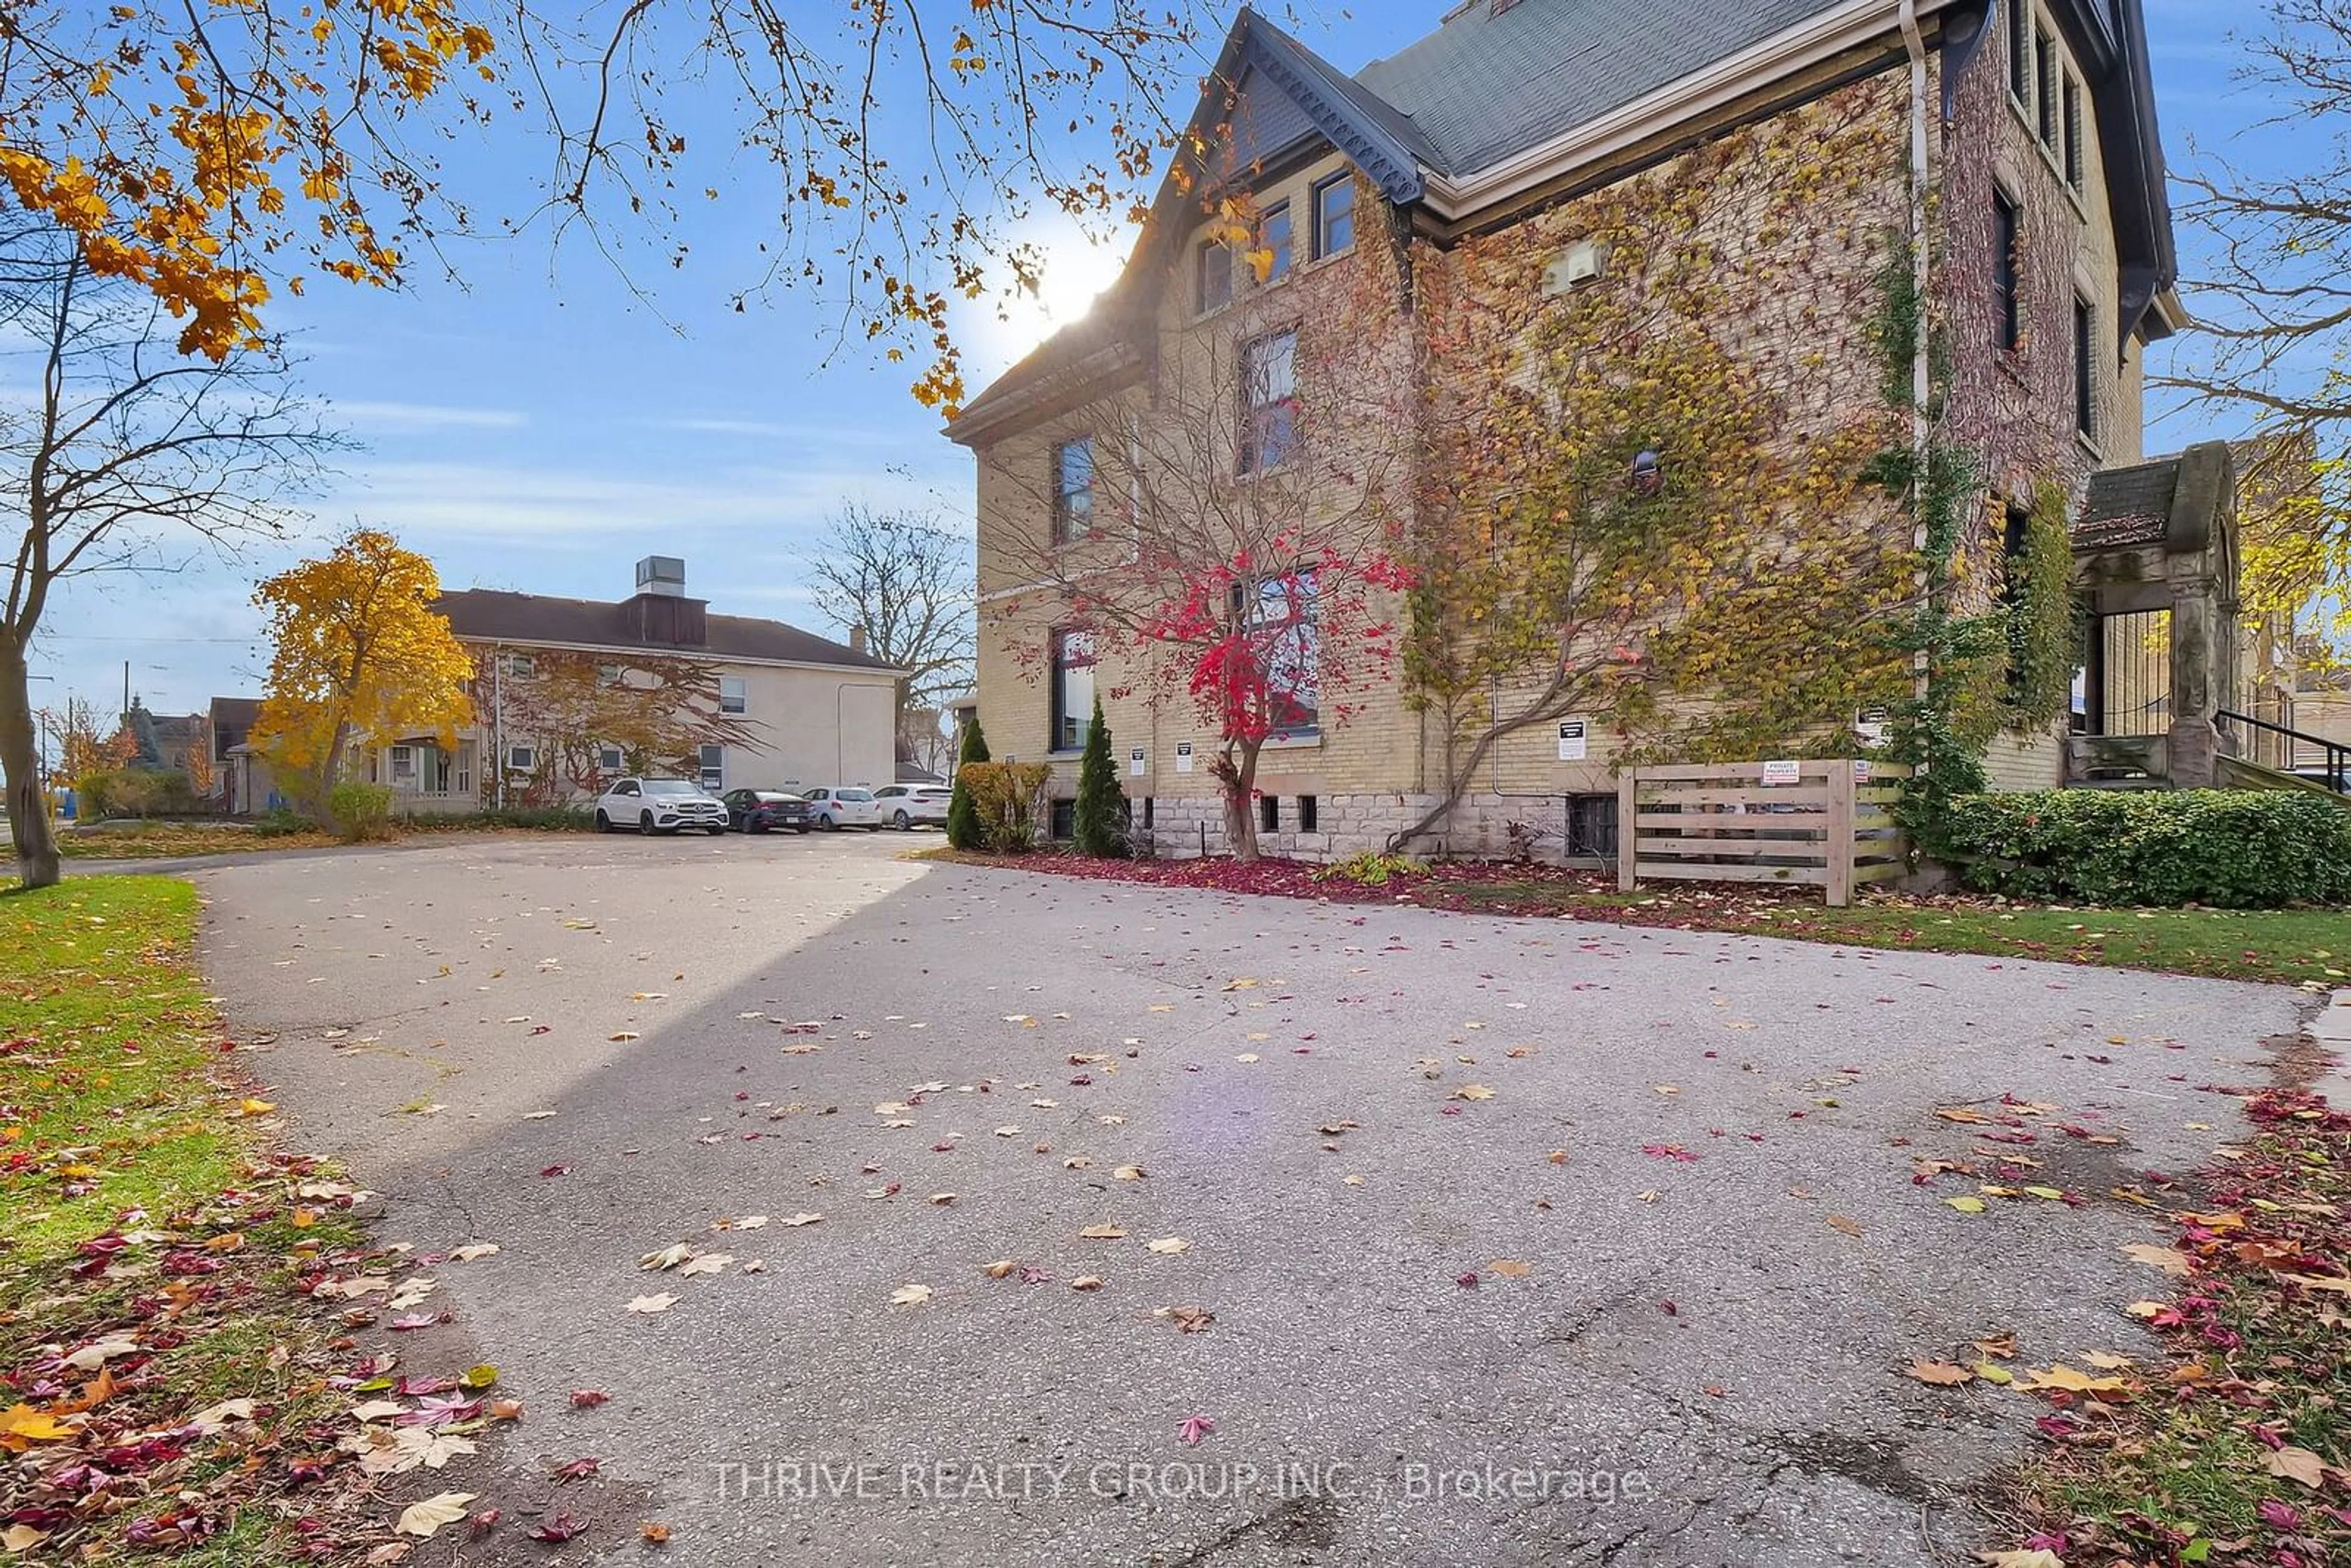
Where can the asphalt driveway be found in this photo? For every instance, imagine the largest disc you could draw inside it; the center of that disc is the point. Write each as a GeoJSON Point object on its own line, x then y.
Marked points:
{"type": "Point", "coordinates": [1504, 1241]}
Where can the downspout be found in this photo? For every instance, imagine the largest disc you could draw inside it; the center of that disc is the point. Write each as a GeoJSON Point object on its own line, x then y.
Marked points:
{"type": "Point", "coordinates": [497, 757]}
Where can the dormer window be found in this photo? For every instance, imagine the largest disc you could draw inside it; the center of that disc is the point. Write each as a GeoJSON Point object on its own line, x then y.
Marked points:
{"type": "Point", "coordinates": [1273, 247]}
{"type": "Point", "coordinates": [1335, 214]}
{"type": "Point", "coordinates": [1212, 285]}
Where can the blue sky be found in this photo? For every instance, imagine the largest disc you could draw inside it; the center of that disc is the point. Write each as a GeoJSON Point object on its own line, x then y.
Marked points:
{"type": "Point", "coordinates": [540, 427]}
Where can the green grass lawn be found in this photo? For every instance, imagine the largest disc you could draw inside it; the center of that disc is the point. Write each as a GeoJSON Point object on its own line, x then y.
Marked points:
{"type": "Point", "coordinates": [139, 1198]}
{"type": "Point", "coordinates": [2289, 945]}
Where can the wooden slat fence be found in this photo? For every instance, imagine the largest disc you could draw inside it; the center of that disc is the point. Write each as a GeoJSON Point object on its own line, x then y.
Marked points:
{"type": "Point", "coordinates": [1830, 823]}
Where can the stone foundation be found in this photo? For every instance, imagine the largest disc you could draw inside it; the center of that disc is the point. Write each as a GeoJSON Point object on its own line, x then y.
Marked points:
{"type": "Point", "coordinates": [1184, 827]}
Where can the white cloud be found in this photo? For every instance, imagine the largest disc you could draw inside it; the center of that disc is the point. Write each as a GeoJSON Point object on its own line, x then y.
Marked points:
{"type": "Point", "coordinates": [363, 415]}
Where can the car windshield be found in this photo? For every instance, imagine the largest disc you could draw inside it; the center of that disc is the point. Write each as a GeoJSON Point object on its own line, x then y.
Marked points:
{"type": "Point", "coordinates": [766, 796]}
{"type": "Point", "coordinates": [671, 787]}
{"type": "Point", "coordinates": [856, 795]}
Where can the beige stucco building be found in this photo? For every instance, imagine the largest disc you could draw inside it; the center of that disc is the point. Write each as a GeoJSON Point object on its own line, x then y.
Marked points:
{"type": "Point", "coordinates": [2020, 172]}
{"type": "Point", "coordinates": [763, 704]}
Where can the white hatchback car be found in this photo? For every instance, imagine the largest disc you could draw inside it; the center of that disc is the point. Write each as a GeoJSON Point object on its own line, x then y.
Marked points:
{"type": "Point", "coordinates": [830, 807]}
{"type": "Point", "coordinates": [659, 806]}
{"type": "Point", "coordinates": [905, 806]}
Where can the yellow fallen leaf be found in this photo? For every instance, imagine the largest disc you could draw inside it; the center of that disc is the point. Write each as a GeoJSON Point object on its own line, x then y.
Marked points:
{"type": "Point", "coordinates": [254, 1108]}
{"type": "Point", "coordinates": [27, 1424]}
{"type": "Point", "coordinates": [1845, 1224]}
{"type": "Point", "coordinates": [1941, 1374]}
{"type": "Point", "coordinates": [2039, 1557]}
{"type": "Point", "coordinates": [1169, 1244]}
{"type": "Point", "coordinates": [1992, 1372]}
{"type": "Point", "coordinates": [1509, 1267]}
{"type": "Point", "coordinates": [1086, 1282]}
{"type": "Point", "coordinates": [1103, 1233]}
{"type": "Point", "coordinates": [660, 1303]}
{"type": "Point", "coordinates": [1128, 1173]}
{"type": "Point", "coordinates": [910, 1295]}
{"type": "Point", "coordinates": [1002, 1268]}
{"type": "Point", "coordinates": [421, 1519]}
{"type": "Point", "coordinates": [2070, 1380]}
{"type": "Point", "coordinates": [1967, 1205]}
{"type": "Point", "coordinates": [2105, 1360]}
{"type": "Point", "coordinates": [1473, 1091]}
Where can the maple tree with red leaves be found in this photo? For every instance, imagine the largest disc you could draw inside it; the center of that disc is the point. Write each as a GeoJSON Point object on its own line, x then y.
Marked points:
{"type": "Point", "coordinates": [1242, 546]}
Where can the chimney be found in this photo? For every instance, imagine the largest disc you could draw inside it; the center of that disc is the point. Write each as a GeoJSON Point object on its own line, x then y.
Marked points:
{"type": "Point", "coordinates": [857, 638]}
{"type": "Point", "coordinates": [661, 613]}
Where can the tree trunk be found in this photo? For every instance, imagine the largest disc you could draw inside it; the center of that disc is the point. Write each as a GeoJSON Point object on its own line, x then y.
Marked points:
{"type": "Point", "coordinates": [20, 763]}
{"type": "Point", "coordinates": [1236, 774]}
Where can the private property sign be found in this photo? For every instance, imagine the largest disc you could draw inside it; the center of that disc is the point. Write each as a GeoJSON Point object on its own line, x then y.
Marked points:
{"type": "Point", "coordinates": [1782, 771]}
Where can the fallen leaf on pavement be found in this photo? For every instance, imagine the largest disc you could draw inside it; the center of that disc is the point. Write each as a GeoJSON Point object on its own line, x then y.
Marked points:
{"type": "Point", "coordinates": [910, 1295]}
{"type": "Point", "coordinates": [1845, 1224]}
{"type": "Point", "coordinates": [1086, 1282]}
{"type": "Point", "coordinates": [2171, 1259]}
{"type": "Point", "coordinates": [1941, 1374]}
{"type": "Point", "coordinates": [1103, 1233]}
{"type": "Point", "coordinates": [421, 1519]}
{"type": "Point", "coordinates": [1170, 1245]}
{"type": "Point", "coordinates": [1509, 1267]}
{"type": "Point", "coordinates": [660, 1303]}
{"type": "Point", "coordinates": [1192, 1428]}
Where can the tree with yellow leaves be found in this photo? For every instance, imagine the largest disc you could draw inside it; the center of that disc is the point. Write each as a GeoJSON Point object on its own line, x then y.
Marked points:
{"type": "Point", "coordinates": [359, 653]}
{"type": "Point", "coordinates": [219, 151]}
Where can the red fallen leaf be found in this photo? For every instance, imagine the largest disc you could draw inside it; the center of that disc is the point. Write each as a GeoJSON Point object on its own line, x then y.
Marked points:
{"type": "Point", "coordinates": [2278, 1515]}
{"type": "Point", "coordinates": [537, 1028]}
{"type": "Point", "coordinates": [480, 1524]}
{"type": "Point", "coordinates": [1468, 1279]}
{"type": "Point", "coordinates": [1674, 1151]}
{"type": "Point", "coordinates": [554, 1170]}
{"type": "Point", "coordinates": [947, 1148]}
{"type": "Point", "coordinates": [1030, 1275]}
{"type": "Point", "coordinates": [413, 1320]}
{"type": "Point", "coordinates": [562, 1527]}
{"type": "Point", "coordinates": [1670, 1310]}
{"type": "Point", "coordinates": [1192, 1428]}
{"type": "Point", "coordinates": [578, 1470]}
{"type": "Point", "coordinates": [588, 1398]}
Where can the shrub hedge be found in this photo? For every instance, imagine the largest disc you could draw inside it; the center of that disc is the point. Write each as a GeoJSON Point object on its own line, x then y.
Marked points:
{"type": "Point", "coordinates": [2233, 849]}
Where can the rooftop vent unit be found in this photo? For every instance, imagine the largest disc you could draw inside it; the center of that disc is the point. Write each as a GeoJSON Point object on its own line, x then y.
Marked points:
{"type": "Point", "coordinates": [661, 574]}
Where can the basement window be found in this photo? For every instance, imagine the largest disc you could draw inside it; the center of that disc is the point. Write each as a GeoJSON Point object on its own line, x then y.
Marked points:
{"type": "Point", "coordinates": [1592, 826]}
{"type": "Point", "coordinates": [1268, 813]}
{"type": "Point", "coordinates": [1306, 804]}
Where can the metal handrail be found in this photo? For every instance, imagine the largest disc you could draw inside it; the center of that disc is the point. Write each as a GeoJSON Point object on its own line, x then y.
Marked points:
{"type": "Point", "coordinates": [2336, 756]}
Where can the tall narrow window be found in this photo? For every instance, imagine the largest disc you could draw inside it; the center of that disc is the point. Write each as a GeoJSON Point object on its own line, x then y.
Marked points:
{"type": "Point", "coordinates": [1073, 689]}
{"type": "Point", "coordinates": [1268, 401]}
{"type": "Point", "coordinates": [1283, 625]}
{"type": "Point", "coordinates": [2016, 541]}
{"type": "Point", "coordinates": [1272, 258]}
{"type": "Point", "coordinates": [1212, 287]}
{"type": "Point", "coordinates": [2073, 151]}
{"type": "Point", "coordinates": [2085, 368]}
{"type": "Point", "coordinates": [1073, 489]}
{"type": "Point", "coordinates": [2019, 53]}
{"type": "Point", "coordinates": [2044, 85]}
{"type": "Point", "coordinates": [1335, 214]}
{"type": "Point", "coordinates": [2007, 326]}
